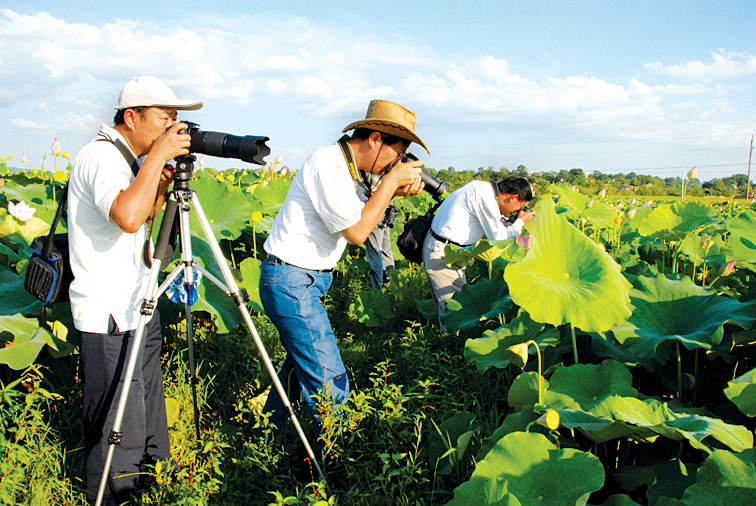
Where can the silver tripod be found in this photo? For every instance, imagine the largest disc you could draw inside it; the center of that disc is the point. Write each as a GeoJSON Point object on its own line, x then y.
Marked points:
{"type": "Point", "coordinates": [182, 199]}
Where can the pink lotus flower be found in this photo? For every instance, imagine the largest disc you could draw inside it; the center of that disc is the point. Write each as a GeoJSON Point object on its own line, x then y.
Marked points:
{"type": "Point", "coordinates": [589, 203]}
{"type": "Point", "coordinates": [23, 157]}
{"type": "Point", "coordinates": [21, 211]}
{"type": "Point", "coordinates": [523, 241]}
{"type": "Point", "coordinates": [284, 170]}
{"type": "Point", "coordinates": [649, 203]}
{"type": "Point", "coordinates": [727, 268]}
{"type": "Point", "coordinates": [55, 147]}
{"type": "Point", "coordinates": [705, 241]}
{"type": "Point", "coordinates": [632, 201]}
{"type": "Point", "coordinates": [692, 172]}
{"type": "Point", "coordinates": [630, 213]}
{"type": "Point", "coordinates": [201, 161]}
{"type": "Point", "coordinates": [272, 167]}
{"type": "Point", "coordinates": [602, 192]}
{"type": "Point", "coordinates": [279, 158]}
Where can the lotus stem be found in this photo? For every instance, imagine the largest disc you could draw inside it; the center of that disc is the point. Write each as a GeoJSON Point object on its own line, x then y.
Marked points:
{"type": "Point", "coordinates": [679, 371]}
{"type": "Point", "coordinates": [254, 241]}
{"type": "Point", "coordinates": [574, 343]}
{"type": "Point", "coordinates": [695, 375]}
{"type": "Point", "coordinates": [540, 370]}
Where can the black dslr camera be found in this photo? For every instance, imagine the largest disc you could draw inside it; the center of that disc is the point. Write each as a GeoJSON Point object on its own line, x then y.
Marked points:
{"type": "Point", "coordinates": [432, 185]}
{"type": "Point", "coordinates": [509, 220]}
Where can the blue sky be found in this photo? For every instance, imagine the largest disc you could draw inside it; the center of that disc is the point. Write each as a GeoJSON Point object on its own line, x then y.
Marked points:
{"type": "Point", "coordinates": [633, 86]}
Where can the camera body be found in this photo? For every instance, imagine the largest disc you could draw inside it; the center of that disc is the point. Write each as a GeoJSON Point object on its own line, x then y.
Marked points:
{"type": "Point", "coordinates": [432, 185]}
{"type": "Point", "coordinates": [509, 220]}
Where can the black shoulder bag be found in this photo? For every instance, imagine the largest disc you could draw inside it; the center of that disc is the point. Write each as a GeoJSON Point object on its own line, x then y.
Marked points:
{"type": "Point", "coordinates": [410, 241]}
{"type": "Point", "coordinates": [48, 274]}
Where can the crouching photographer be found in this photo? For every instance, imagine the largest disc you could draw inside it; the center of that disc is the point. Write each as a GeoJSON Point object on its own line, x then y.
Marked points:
{"type": "Point", "coordinates": [111, 195]}
{"type": "Point", "coordinates": [496, 210]}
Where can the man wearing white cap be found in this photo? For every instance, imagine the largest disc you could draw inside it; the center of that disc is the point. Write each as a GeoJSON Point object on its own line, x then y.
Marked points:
{"type": "Point", "coordinates": [330, 203]}
{"type": "Point", "coordinates": [116, 186]}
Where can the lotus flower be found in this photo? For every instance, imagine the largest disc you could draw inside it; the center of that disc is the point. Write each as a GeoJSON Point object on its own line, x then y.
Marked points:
{"type": "Point", "coordinates": [692, 172]}
{"type": "Point", "coordinates": [589, 203]}
{"type": "Point", "coordinates": [523, 241]}
{"type": "Point", "coordinates": [279, 158]}
{"type": "Point", "coordinates": [602, 192]}
{"type": "Point", "coordinates": [633, 201]}
{"type": "Point", "coordinates": [201, 161]}
{"type": "Point", "coordinates": [649, 203]}
{"type": "Point", "coordinates": [521, 350]}
{"type": "Point", "coordinates": [21, 211]}
{"type": "Point", "coordinates": [272, 167]}
{"type": "Point", "coordinates": [23, 157]}
{"type": "Point", "coordinates": [630, 213]}
{"type": "Point", "coordinates": [706, 242]}
{"type": "Point", "coordinates": [549, 419]}
{"type": "Point", "coordinates": [284, 170]}
{"type": "Point", "coordinates": [727, 268]}
{"type": "Point", "coordinates": [55, 147]}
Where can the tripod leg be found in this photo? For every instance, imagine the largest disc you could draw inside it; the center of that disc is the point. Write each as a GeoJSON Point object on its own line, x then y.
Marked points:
{"type": "Point", "coordinates": [233, 289]}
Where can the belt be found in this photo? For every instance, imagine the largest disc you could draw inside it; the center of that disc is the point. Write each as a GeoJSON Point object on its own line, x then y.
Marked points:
{"type": "Point", "coordinates": [274, 260]}
{"type": "Point", "coordinates": [447, 241]}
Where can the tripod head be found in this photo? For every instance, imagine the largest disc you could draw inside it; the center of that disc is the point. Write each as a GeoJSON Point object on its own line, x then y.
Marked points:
{"type": "Point", "coordinates": [184, 172]}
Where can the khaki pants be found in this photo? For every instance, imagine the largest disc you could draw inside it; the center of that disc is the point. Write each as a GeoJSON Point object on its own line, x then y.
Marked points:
{"type": "Point", "coordinates": [444, 281]}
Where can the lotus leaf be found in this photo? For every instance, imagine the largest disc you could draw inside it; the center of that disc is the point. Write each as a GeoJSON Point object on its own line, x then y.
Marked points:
{"type": "Point", "coordinates": [667, 310]}
{"type": "Point", "coordinates": [742, 239]}
{"type": "Point", "coordinates": [449, 441]}
{"type": "Point", "coordinates": [226, 208]}
{"type": "Point", "coordinates": [482, 301]}
{"type": "Point", "coordinates": [272, 195]}
{"type": "Point", "coordinates": [668, 479]}
{"type": "Point", "coordinates": [16, 300]}
{"type": "Point", "coordinates": [724, 478]}
{"type": "Point", "coordinates": [524, 390]}
{"type": "Point", "coordinates": [28, 340]}
{"type": "Point", "coordinates": [461, 257]}
{"type": "Point", "coordinates": [37, 196]}
{"type": "Point", "coordinates": [672, 222]}
{"type": "Point", "coordinates": [598, 214]}
{"type": "Point", "coordinates": [567, 278]}
{"type": "Point", "coordinates": [373, 308]}
{"type": "Point", "coordinates": [250, 271]}
{"type": "Point", "coordinates": [742, 392]}
{"type": "Point", "coordinates": [513, 422]}
{"type": "Point", "coordinates": [491, 349]}
{"type": "Point", "coordinates": [533, 470]}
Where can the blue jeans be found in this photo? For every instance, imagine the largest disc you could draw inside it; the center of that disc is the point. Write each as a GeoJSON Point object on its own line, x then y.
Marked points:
{"type": "Point", "coordinates": [379, 256]}
{"type": "Point", "coordinates": [291, 298]}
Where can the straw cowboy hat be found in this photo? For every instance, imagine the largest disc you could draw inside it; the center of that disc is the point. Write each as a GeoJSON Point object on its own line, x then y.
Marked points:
{"type": "Point", "coordinates": [390, 118]}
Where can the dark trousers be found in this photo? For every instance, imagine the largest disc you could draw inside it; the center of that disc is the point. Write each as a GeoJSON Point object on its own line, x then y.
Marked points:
{"type": "Point", "coordinates": [104, 358]}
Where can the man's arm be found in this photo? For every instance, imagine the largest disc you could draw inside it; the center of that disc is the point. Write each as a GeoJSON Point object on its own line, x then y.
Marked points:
{"type": "Point", "coordinates": [403, 180]}
{"type": "Point", "coordinates": [137, 203]}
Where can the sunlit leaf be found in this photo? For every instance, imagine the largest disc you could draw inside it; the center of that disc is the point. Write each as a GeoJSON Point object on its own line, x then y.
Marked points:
{"type": "Point", "coordinates": [672, 222]}
{"type": "Point", "coordinates": [742, 392]}
{"type": "Point", "coordinates": [724, 478]}
{"type": "Point", "coordinates": [372, 307]}
{"type": "Point", "coordinates": [476, 303]}
{"type": "Point", "coordinates": [742, 239]}
{"type": "Point", "coordinates": [226, 208]}
{"type": "Point", "coordinates": [250, 271]}
{"type": "Point", "coordinates": [567, 278]}
{"type": "Point", "coordinates": [598, 215]}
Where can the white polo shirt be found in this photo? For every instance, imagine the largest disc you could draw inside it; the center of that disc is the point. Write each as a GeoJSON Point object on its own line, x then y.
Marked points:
{"type": "Point", "coordinates": [322, 201]}
{"type": "Point", "coordinates": [110, 276]}
{"type": "Point", "coordinates": [471, 212]}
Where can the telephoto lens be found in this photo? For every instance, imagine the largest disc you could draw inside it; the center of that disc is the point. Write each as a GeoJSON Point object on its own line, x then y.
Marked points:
{"type": "Point", "coordinates": [432, 185]}
{"type": "Point", "coordinates": [248, 148]}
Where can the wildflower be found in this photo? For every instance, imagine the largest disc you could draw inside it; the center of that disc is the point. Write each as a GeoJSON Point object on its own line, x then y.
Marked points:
{"type": "Point", "coordinates": [21, 211]}
{"type": "Point", "coordinates": [55, 147]}
{"type": "Point", "coordinates": [549, 419]}
{"type": "Point", "coordinates": [692, 172]}
{"type": "Point", "coordinates": [602, 192]}
{"type": "Point", "coordinates": [630, 213]}
{"type": "Point", "coordinates": [523, 241]}
{"type": "Point", "coordinates": [279, 158]}
{"type": "Point", "coordinates": [727, 268]}
{"type": "Point", "coordinates": [521, 350]}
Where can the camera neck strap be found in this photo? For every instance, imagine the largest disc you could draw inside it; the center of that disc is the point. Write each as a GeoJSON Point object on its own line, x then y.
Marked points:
{"type": "Point", "coordinates": [357, 175]}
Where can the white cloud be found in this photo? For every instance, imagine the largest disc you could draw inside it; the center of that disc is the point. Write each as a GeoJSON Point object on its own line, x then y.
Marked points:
{"type": "Point", "coordinates": [724, 65]}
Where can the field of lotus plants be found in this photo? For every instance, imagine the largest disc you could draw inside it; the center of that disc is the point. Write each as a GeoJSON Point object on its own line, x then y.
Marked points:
{"type": "Point", "coordinates": [605, 356]}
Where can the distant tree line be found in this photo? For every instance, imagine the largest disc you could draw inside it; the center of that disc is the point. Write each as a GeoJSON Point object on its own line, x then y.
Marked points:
{"type": "Point", "coordinates": [615, 184]}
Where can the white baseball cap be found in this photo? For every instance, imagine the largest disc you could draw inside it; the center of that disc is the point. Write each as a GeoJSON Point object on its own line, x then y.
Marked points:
{"type": "Point", "coordinates": [148, 91]}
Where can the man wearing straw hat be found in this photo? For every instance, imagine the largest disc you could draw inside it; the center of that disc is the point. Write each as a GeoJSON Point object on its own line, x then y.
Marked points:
{"type": "Point", "coordinates": [330, 203]}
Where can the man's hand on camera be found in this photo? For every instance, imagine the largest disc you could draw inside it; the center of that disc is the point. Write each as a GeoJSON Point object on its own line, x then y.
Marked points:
{"type": "Point", "coordinates": [171, 143]}
{"type": "Point", "coordinates": [406, 178]}
{"type": "Point", "coordinates": [526, 216]}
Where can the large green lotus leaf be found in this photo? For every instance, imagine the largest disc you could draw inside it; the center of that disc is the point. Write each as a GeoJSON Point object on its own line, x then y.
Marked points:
{"type": "Point", "coordinates": [461, 257]}
{"type": "Point", "coordinates": [668, 479]}
{"type": "Point", "coordinates": [599, 215]}
{"type": "Point", "coordinates": [513, 422]}
{"type": "Point", "coordinates": [667, 310]}
{"type": "Point", "coordinates": [489, 251]}
{"type": "Point", "coordinates": [37, 196]}
{"type": "Point", "coordinates": [742, 238]}
{"type": "Point", "coordinates": [272, 196]}
{"type": "Point", "coordinates": [599, 429]}
{"type": "Point", "coordinates": [449, 442]}
{"type": "Point", "coordinates": [672, 222]}
{"type": "Point", "coordinates": [476, 303]}
{"type": "Point", "coordinates": [717, 254]}
{"type": "Point", "coordinates": [28, 340]}
{"type": "Point", "coordinates": [225, 206]}
{"type": "Point", "coordinates": [250, 271]}
{"type": "Point", "coordinates": [373, 308]}
{"type": "Point", "coordinates": [491, 350]}
{"type": "Point", "coordinates": [15, 299]}
{"type": "Point", "coordinates": [742, 392]}
{"type": "Point", "coordinates": [587, 386]}
{"type": "Point", "coordinates": [535, 472]}
{"type": "Point", "coordinates": [620, 500]}
{"type": "Point", "coordinates": [524, 390]}
{"type": "Point", "coordinates": [427, 308]}
{"type": "Point", "coordinates": [724, 478]}
{"type": "Point", "coordinates": [567, 278]}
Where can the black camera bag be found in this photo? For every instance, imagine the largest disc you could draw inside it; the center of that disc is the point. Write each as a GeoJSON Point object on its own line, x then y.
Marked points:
{"type": "Point", "coordinates": [48, 274]}
{"type": "Point", "coordinates": [410, 241]}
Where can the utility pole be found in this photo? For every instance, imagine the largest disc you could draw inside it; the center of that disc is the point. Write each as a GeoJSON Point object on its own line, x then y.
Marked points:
{"type": "Point", "coordinates": [748, 191]}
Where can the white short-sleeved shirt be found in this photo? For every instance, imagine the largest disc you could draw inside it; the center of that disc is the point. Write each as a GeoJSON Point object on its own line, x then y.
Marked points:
{"type": "Point", "coordinates": [322, 201]}
{"type": "Point", "coordinates": [110, 276]}
{"type": "Point", "coordinates": [471, 212]}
